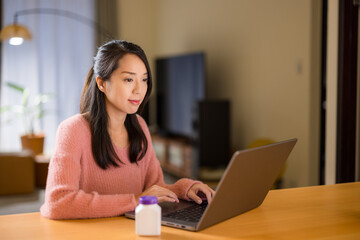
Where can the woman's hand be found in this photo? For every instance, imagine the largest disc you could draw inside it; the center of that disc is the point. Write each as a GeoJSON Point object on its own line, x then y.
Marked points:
{"type": "Point", "coordinates": [163, 194]}
{"type": "Point", "coordinates": [198, 189]}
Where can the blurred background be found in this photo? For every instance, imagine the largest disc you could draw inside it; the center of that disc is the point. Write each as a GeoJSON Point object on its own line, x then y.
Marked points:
{"type": "Point", "coordinates": [276, 62]}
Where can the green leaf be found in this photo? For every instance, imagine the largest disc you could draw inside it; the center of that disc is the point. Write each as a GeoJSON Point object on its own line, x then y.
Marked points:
{"type": "Point", "coordinates": [5, 109]}
{"type": "Point", "coordinates": [30, 108]}
{"type": "Point", "coordinates": [25, 98]}
{"type": "Point", "coordinates": [15, 87]}
{"type": "Point", "coordinates": [41, 114]}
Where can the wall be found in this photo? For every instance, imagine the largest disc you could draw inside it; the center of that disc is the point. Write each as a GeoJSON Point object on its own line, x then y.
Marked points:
{"type": "Point", "coordinates": [137, 23]}
{"type": "Point", "coordinates": [262, 55]}
{"type": "Point", "coordinates": [331, 91]}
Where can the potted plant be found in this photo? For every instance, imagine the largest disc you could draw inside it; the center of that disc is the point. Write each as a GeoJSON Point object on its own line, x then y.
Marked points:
{"type": "Point", "coordinates": [28, 112]}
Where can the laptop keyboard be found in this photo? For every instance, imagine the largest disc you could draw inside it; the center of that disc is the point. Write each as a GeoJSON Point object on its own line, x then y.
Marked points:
{"type": "Point", "coordinates": [189, 214]}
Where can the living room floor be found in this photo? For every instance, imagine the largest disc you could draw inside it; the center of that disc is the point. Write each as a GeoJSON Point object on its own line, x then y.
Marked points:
{"type": "Point", "coordinates": [22, 203]}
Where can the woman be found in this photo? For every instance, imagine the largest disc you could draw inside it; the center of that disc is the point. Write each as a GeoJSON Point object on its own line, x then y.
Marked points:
{"type": "Point", "coordinates": [104, 159]}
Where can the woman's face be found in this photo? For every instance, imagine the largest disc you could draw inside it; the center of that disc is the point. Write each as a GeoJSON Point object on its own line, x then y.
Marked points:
{"type": "Point", "coordinates": [127, 86]}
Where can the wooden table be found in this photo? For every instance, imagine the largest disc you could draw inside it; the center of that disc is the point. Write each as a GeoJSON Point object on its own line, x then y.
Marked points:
{"type": "Point", "coordinates": [320, 212]}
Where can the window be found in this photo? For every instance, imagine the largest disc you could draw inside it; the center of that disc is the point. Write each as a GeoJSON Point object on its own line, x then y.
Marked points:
{"type": "Point", "coordinates": [56, 60]}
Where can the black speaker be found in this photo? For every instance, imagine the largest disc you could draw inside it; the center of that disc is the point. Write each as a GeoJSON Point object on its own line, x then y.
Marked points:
{"type": "Point", "coordinates": [212, 133]}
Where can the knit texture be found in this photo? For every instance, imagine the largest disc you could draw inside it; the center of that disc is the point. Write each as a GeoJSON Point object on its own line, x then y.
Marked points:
{"type": "Point", "coordinates": [78, 188]}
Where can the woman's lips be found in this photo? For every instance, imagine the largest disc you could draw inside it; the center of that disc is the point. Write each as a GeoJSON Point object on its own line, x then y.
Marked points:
{"type": "Point", "coordinates": [135, 102]}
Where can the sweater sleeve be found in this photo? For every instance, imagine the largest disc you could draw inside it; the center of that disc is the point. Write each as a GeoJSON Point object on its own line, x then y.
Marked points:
{"type": "Point", "coordinates": [154, 174]}
{"type": "Point", "coordinates": [63, 198]}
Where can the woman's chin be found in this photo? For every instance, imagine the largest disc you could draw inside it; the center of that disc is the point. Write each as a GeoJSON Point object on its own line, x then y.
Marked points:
{"type": "Point", "coordinates": [133, 111]}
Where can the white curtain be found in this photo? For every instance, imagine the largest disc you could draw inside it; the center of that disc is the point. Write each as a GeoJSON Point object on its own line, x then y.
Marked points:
{"type": "Point", "coordinates": [56, 61]}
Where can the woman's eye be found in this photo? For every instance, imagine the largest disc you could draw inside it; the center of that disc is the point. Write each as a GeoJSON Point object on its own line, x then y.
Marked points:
{"type": "Point", "coordinates": [145, 79]}
{"type": "Point", "coordinates": [128, 79]}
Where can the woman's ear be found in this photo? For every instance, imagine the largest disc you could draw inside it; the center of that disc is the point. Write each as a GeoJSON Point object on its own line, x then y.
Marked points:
{"type": "Point", "coordinates": [100, 83]}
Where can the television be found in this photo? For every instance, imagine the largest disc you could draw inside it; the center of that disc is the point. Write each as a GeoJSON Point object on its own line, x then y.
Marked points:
{"type": "Point", "coordinates": [180, 85]}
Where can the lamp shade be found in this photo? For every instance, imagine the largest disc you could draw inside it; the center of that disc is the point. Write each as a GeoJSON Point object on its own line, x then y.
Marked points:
{"type": "Point", "coordinates": [15, 30]}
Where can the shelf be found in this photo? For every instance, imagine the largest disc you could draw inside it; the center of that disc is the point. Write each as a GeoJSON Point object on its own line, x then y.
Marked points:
{"type": "Point", "coordinates": [176, 156]}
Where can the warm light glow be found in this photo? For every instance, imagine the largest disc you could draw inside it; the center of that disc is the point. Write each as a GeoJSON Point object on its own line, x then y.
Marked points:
{"type": "Point", "coordinates": [15, 34]}
{"type": "Point", "coordinates": [16, 41]}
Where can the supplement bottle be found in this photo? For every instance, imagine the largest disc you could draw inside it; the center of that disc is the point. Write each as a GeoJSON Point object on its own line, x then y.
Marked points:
{"type": "Point", "coordinates": [148, 217]}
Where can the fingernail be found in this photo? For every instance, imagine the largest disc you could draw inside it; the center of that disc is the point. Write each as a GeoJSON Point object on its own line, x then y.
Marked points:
{"type": "Point", "coordinates": [198, 201]}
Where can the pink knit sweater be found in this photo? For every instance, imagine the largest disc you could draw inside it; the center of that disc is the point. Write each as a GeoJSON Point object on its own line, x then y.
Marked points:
{"type": "Point", "coordinates": [77, 188]}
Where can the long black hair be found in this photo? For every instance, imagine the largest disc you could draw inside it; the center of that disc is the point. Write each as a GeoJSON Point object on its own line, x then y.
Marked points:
{"type": "Point", "coordinates": [92, 105]}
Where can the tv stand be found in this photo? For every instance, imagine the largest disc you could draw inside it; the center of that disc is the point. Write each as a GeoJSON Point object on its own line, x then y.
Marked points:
{"type": "Point", "coordinates": [207, 152]}
{"type": "Point", "coordinates": [176, 156]}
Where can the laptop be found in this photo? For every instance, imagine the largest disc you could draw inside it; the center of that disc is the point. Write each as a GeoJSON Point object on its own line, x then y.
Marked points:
{"type": "Point", "coordinates": [244, 185]}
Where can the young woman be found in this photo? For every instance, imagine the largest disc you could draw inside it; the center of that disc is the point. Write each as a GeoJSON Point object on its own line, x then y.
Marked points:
{"type": "Point", "coordinates": [104, 159]}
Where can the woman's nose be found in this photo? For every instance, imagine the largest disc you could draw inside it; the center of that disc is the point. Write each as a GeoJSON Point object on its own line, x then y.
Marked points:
{"type": "Point", "coordinates": [138, 87]}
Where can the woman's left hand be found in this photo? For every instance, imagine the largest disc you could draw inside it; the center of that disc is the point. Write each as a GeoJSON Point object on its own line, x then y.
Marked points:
{"type": "Point", "coordinates": [199, 188]}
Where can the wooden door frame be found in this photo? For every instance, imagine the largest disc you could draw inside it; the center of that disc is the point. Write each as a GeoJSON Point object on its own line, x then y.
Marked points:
{"type": "Point", "coordinates": [347, 92]}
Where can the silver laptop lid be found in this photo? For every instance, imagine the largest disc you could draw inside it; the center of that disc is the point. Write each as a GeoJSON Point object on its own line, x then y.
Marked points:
{"type": "Point", "coordinates": [246, 181]}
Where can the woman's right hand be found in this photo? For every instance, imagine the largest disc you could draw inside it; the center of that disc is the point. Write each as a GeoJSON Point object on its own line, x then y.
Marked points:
{"type": "Point", "coordinates": [163, 194]}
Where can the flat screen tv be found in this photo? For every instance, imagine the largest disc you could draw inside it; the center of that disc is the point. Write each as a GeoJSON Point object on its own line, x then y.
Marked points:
{"type": "Point", "coordinates": [180, 85]}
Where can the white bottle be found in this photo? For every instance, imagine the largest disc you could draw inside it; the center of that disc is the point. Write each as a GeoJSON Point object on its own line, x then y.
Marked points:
{"type": "Point", "coordinates": [148, 217]}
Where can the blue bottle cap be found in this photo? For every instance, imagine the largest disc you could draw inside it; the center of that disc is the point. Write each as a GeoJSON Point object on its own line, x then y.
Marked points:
{"type": "Point", "coordinates": [148, 200]}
